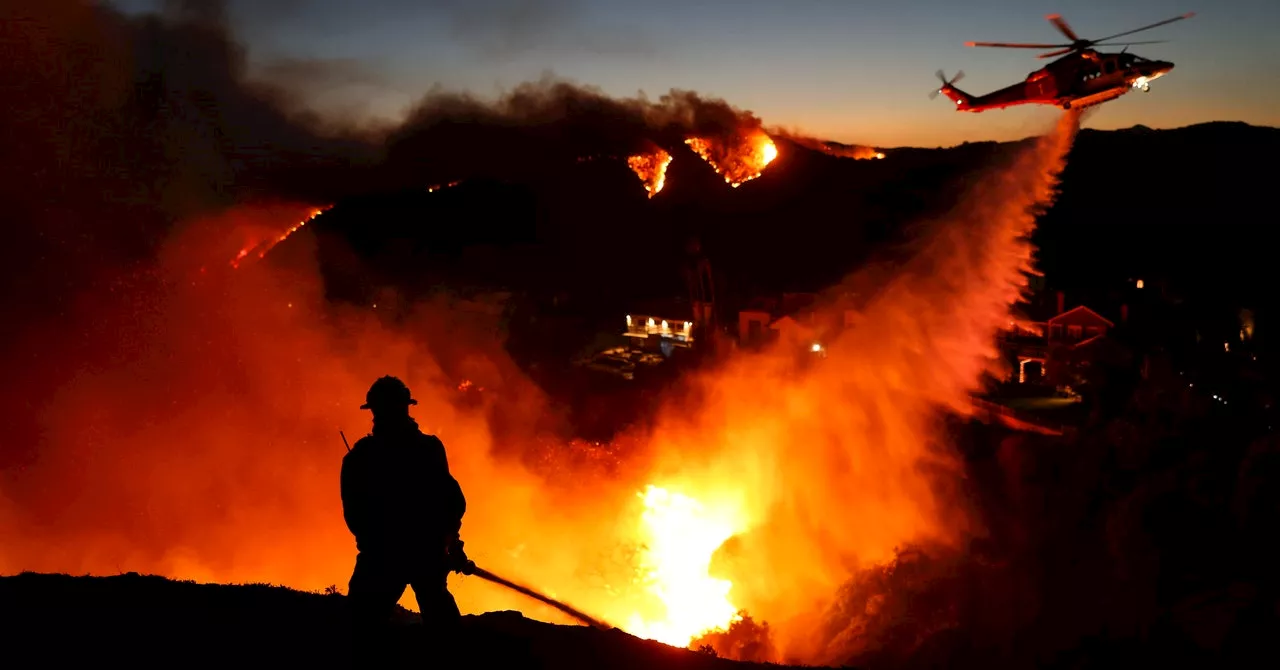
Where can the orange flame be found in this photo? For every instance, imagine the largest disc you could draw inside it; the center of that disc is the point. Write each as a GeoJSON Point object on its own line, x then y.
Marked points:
{"type": "Point", "coordinates": [765, 497]}
{"type": "Point", "coordinates": [264, 247]}
{"type": "Point", "coordinates": [681, 535]}
{"type": "Point", "coordinates": [823, 467]}
{"type": "Point", "coordinates": [739, 161]}
{"type": "Point", "coordinates": [651, 168]}
{"type": "Point", "coordinates": [440, 187]}
{"type": "Point", "coordinates": [854, 151]}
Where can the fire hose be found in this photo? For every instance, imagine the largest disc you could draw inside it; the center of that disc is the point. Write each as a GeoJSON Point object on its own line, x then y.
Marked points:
{"type": "Point", "coordinates": [526, 591]}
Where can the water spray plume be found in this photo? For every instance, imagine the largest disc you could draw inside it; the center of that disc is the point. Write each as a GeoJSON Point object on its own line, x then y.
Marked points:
{"type": "Point", "coordinates": [838, 464]}
{"type": "Point", "coordinates": [783, 478]}
{"type": "Point", "coordinates": [765, 496]}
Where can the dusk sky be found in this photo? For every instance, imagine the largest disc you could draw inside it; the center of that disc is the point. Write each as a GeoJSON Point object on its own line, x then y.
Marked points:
{"type": "Point", "coordinates": [849, 70]}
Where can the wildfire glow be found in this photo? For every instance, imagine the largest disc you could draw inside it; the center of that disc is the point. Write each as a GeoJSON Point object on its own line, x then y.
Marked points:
{"type": "Point", "coordinates": [777, 480]}
{"type": "Point", "coordinates": [441, 187]}
{"type": "Point", "coordinates": [853, 151]}
{"type": "Point", "coordinates": [680, 536]}
{"type": "Point", "coordinates": [263, 247]}
{"type": "Point", "coordinates": [738, 162]}
{"type": "Point", "coordinates": [651, 168]}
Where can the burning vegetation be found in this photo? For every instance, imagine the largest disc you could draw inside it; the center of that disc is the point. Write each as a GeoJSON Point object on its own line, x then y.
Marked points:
{"type": "Point", "coordinates": [680, 536]}
{"type": "Point", "coordinates": [837, 149]}
{"type": "Point", "coordinates": [738, 159]}
{"type": "Point", "coordinates": [516, 135]}
{"type": "Point", "coordinates": [651, 168]}
{"type": "Point", "coordinates": [191, 426]}
{"type": "Point", "coordinates": [756, 500]}
{"type": "Point", "coordinates": [263, 247]}
{"type": "Point", "coordinates": [440, 187]}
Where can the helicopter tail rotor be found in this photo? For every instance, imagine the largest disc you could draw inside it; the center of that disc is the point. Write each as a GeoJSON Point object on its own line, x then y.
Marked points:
{"type": "Point", "coordinates": [945, 82]}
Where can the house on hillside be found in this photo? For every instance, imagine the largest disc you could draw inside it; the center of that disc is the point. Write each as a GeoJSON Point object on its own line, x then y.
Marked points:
{"type": "Point", "coordinates": [1038, 338]}
{"type": "Point", "coordinates": [788, 316]}
{"type": "Point", "coordinates": [661, 326]}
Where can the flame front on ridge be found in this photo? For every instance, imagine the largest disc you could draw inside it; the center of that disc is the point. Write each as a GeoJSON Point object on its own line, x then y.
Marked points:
{"type": "Point", "coordinates": [651, 168]}
{"type": "Point", "coordinates": [264, 247]}
{"type": "Point", "coordinates": [738, 162]}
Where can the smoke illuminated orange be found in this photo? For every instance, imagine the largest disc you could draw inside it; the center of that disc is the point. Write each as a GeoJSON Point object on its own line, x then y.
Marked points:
{"type": "Point", "coordinates": [854, 151]}
{"type": "Point", "coordinates": [651, 168]}
{"type": "Point", "coordinates": [738, 161]}
{"type": "Point", "coordinates": [204, 444]}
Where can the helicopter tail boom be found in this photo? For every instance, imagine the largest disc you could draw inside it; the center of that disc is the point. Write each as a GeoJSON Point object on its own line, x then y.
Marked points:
{"type": "Point", "coordinates": [963, 100]}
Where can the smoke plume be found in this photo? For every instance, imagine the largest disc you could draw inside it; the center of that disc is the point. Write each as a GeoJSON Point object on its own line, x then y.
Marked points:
{"type": "Point", "coordinates": [854, 151]}
{"type": "Point", "coordinates": [450, 136]}
{"type": "Point", "coordinates": [842, 463]}
{"type": "Point", "coordinates": [168, 413]}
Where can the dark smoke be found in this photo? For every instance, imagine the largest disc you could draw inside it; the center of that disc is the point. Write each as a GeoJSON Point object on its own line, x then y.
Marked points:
{"type": "Point", "coordinates": [114, 129]}
{"type": "Point", "coordinates": [118, 127]}
{"type": "Point", "coordinates": [455, 135]}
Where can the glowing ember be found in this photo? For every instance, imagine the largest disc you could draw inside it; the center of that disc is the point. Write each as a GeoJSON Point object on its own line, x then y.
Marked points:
{"type": "Point", "coordinates": [737, 162]}
{"type": "Point", "coordinates": [651, 168]}
{"type": "Point", "coordinates": [264, 247]}
{"type": "Point", "coordinates": [441, 187]}
{"type": "Point", "coordinates": [681, 535]}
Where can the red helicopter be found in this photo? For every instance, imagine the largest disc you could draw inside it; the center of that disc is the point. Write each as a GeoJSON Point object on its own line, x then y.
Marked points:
{"type": "Point", "coordinates": [1082, 78]}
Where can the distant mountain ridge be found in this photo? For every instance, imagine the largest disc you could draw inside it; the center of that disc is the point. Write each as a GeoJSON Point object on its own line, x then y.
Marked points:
{"type": "Point", "coordinates": [570, 228]}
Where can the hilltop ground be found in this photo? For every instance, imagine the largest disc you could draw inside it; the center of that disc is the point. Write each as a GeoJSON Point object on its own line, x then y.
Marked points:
{"type": "Point", "coordinates": [64, 621]}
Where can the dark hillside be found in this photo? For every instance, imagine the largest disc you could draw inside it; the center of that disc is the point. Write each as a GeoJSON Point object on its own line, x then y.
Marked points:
{"type": "Point", "coordinates": [143, 621]}
{"type": "Point", "coordinates": [1144, 202]}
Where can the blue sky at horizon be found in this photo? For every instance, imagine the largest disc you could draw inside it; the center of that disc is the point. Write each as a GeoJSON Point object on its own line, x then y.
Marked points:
{"type": "Point", "coordinates": [856, 71]}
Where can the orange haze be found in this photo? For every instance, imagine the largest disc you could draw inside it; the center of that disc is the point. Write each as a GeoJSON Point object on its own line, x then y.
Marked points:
{"type": "Point", "coordinates": [203, 441]}
{"type": "Point", "coordinates": [836, 463]}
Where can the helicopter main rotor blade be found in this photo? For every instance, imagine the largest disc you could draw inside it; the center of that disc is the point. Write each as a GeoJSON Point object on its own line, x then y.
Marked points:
{"type": "Point", "coordinates": [1015, 45]}
{"type": "Point", "coordinates": [1060, 52]}
{"type": "Point", "coordinates": [1127, 44]}
{"type": "Point", "coordinates": [1138, 30]}
{"type": "Point", "coordinates": [1061, 24]}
